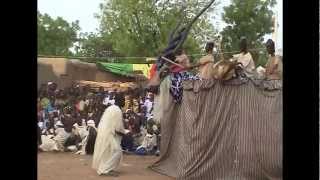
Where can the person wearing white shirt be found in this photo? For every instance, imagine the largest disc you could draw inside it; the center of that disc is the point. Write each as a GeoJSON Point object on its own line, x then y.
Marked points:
{"type": "Point", "coordinates": [112, 101]}
{"type": "Point", "coordinates": [149, 105]}
{"type": "Point", "coordinates": [109, 99]}
{"type": "Point", "coordinates": [149, 142]}
{"type": "Point", "coordinates": [106, 100]}
{"type": "Point", "coordinates": [245, 58]}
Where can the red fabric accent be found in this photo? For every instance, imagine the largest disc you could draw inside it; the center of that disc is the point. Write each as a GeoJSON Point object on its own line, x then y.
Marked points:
{"type": "Point", "coordinates": [78, 106]}
{"type": "Point", "coordinates": [153, 71]}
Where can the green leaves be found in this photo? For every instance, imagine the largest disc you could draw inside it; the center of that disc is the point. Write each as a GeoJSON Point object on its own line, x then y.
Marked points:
{"type": "Point", "coordinates": [250, 18]}
{"type": "Point", "coordinates": [56, 36]}
{"type": "Point", "coordinates": [138, 28]}
{"type": "Point", "coordinates": [142, 28]}
{"type": "Point", "coordinates": [93, 45]}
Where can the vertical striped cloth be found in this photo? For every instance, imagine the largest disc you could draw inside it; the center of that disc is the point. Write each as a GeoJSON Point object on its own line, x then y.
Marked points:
{"type": "Point", "coordinates": [228, 130]}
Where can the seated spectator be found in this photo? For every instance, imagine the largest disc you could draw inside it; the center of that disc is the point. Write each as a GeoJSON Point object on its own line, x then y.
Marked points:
{"type": "Point", "coordinates": [134, 122]}
{"type": "Point", "coordinates": [60, 99]}
{"type": "Point", "coordinates": [54, 143]}
{"type": "Point", "coordinates": [87, 143]}
{"type": "Point", "coordinates": [135, 105]}
{"type": "Point", "coordinates": [48, 143]}
{"type": "Point", "coordinates": [149, 105]}
{"type": "Point", "coordinates": [61, 136]}
{"type": "Point", "coordinates": [72, 143]}
{"type": "Point", "coordinates": [44, 101]}
{"type": "Point", "coordinates": [127, 102]}
{"type": "Point", "coordinates": [67, 120]}
{"type": "Point", "coordinates": [127, 140]}
{"type": "Point", "coordinates": [148, 145]}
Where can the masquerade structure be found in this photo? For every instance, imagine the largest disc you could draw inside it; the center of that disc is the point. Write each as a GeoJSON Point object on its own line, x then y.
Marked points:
{"type": "Point", "coordinates": [217, 127]}
{"type": "Point", "coordinates": [176, 41]}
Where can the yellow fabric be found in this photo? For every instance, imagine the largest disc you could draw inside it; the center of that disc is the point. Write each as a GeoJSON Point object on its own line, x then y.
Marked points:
{"type": "Point", "coordinates": [145, 68]}
{"type": "Point", "coordinates": [127, 103]}
{"type": "Point", "coordinates": [135, 106]}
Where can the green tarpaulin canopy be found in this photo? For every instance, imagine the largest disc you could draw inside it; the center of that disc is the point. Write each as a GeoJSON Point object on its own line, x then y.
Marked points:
{"type": "Point", "coordinates": [129, 70]}
{"type": "Point", "coordinates": [121, 69]}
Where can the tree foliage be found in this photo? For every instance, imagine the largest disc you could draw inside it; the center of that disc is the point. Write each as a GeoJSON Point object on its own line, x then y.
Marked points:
{"type": "Point", "coordinates": [56, 36]}
{"type": "Point", "coordinates": [249, 18]}
{"type": "Point", "coordinates": [93, 45]}
{"type": "Point", "coordinates": [142, 27]}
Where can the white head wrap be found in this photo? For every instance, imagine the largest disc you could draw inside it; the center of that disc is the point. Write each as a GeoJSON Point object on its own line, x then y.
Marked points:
{"type": "Point", "coordinates": [91, 123]}
{"type": "Point", "coordinates": [59, 123]}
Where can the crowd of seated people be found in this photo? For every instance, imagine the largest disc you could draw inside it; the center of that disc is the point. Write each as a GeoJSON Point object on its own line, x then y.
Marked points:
{"type": "Point", "coordinates": [68, 119]}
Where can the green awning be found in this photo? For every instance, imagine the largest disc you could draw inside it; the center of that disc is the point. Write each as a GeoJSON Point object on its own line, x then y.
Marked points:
{"type": "Point", "coordinates": [129, 70]}
{"type": "Point", "coordinates": [117, 68]}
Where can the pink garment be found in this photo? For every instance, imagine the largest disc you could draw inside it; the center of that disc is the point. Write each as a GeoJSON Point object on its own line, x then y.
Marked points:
{"type": "Point", "coordinates": [175, 68]}
{"type": "Point", "coordinates": [78, 106]}
{"type": "Point", "coordinates": [183, 60]}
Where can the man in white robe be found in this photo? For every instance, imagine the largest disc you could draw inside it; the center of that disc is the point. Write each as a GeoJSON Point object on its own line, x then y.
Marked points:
{"type": "Point", "coordinates": [107, 150]}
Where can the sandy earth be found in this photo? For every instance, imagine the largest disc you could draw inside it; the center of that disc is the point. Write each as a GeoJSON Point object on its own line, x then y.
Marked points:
{"type": "Point", "coordinates": [67, 166]}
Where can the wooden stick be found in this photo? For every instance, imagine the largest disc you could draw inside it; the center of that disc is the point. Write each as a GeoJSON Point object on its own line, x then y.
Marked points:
{"type": "Point", "coordinates": [198, 65]}
{"type": "Point", "coordinates": [172, 62]}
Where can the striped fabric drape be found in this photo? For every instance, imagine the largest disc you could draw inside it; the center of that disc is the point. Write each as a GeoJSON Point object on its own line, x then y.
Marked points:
{"type": "Point", "coordinates": [223, 131]}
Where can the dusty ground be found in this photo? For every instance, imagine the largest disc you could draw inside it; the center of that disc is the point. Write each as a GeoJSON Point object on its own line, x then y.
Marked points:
{"type": "Point", "coordinates": [67, 166]}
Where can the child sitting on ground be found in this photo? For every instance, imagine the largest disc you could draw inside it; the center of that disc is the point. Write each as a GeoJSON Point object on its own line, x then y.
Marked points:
{"type": "Point", "coordinates": [149, 143]}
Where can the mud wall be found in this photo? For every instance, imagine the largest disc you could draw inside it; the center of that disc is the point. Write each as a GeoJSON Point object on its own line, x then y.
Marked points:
{"type": "Point", "coordinates": [65, 71]}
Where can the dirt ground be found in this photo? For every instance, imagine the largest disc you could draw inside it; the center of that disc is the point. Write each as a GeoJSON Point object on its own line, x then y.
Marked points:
{"type": "Point", "coordinates": [67, 166]}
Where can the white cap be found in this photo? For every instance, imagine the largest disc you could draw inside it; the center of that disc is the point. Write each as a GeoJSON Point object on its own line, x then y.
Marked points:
{"type": "Point", "coordinates": [75, 125]}
{"type": "Point", "coordinates": [150, 117]}
{"type": "Point", "coordinates": [260, 69]}
{"type": "Point", "coordinates": [149, 135]}
{"type": "Point", "coordinates": [155, 127]}
{"type": "Point", "coordinates": [40, 124]}
{"type": "Point", "coordinates": [59, 123]}
{"type": "Point", "coordinates": [91, 123]}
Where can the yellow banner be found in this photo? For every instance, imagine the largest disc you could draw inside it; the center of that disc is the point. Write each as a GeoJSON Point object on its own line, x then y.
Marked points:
{"type": "Point", "coordinates": [145, 68]}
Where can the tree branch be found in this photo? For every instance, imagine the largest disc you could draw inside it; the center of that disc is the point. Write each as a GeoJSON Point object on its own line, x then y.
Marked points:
{"type": "Point", "coordinates": [138, 21]}
{"type": "Point", "coordinates": [188, 26]}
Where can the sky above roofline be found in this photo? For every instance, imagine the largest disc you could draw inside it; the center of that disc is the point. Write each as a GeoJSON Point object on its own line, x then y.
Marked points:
{"type": "Point", "coordinates": [84, 10]}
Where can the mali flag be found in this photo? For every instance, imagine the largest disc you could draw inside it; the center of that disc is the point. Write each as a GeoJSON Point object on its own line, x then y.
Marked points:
{"type": "Point", "coordinates": [126, 69]}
